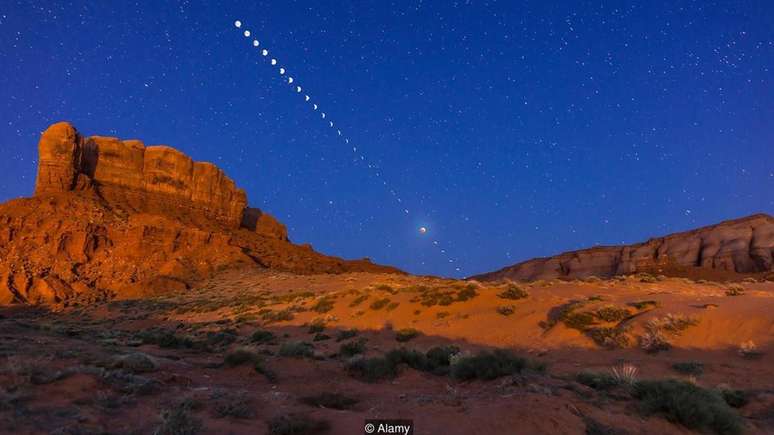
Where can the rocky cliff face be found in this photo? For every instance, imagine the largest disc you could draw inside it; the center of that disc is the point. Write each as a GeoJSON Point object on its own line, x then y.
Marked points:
{"type": "Point", "coordinates": [145, 179]}
{"type": "Point", "coordinates": [113, 218]}
{"type": "Point", "coordinates": [741, 246]}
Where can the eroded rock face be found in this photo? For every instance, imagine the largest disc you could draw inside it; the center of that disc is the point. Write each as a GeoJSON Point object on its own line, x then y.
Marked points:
{"type": "Point", "coordinates": [113, 218]}
{"type": "Point", "coordinates": [148, 179]}
{"type": "Point", "coordinates": [741, 246]}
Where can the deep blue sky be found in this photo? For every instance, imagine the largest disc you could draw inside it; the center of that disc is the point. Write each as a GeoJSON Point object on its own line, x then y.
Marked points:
{"type": "Point", "coordinates": [510, 129]}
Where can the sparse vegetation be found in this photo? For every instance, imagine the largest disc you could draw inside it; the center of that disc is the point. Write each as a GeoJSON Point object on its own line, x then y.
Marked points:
{"type": "Point", "coordinates": [295, 424]}
{"type": "Point", "coordinates": [597, 380]}
{"type": "Point", "coordinates": [271, 316]}
{"type": "Point", "coordinates": [321, 337]}
{"type": "Point", "coordinates": [380, 303]}
{"type": "Point", "coordinates": [262, 336]}
{"type": "Point", "coordinates": [749, 350]}
{"type": "Point", "coordinates": [442, 314]}
{"type": "Point", "coordinates": [734, 290]}
{"type": "Point", "coordinates": [227, 403]}
{"type": "Point", "coordinates": [404, 335]}
{"type": "Point", "coordinates": [692, 368]}
{"type": "Point", "coordinates": [330, 400]}
{"type": "Point", "coordinates": [324, 304]}
{"type": "Point", "coordinates": [346, 334]}
{"type": "Point", "coordinates": [352, 348]}
{"type": "Point", "coordinates": [296, 349]}
{"type": "Point", "coordinates": [316, 327]}
{"type": "Point", "coordinates": [490, 365]}
{"type": "Point", "coordinates": [611, 338]}
{"type": "Point", "coordinates": [688, 404]}
{"type": "Point", "coordinates": [625, 374]}
{"type": "Point", "coordinates": [611, 313]}
{"type": "Point", "coordinates": [643, 305]}
{"type": "Point", "coordinates": [506, 310]}
{"type": "Point", "coordinates": [513, 292]}
{"type": "Point", "coordinates": [358, 300]}
{"type": "Point", "coordinates": [467, 293]}
{"type": "Point", "coordinates": [655, 338]}
{"type": "Point", "coordinates": [178, 420]}
{"type": "Point", "coordinates": [239, 356]}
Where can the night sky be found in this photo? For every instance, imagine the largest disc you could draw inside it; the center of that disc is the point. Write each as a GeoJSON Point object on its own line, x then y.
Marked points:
{"type": "Point", "coordinates": [508, 129]}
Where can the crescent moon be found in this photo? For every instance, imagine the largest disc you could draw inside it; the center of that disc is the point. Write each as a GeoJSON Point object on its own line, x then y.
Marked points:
{"type": "Point", "coordinates": [298, 89]}
{"type": "Point", "coordinates": [290, 80]}
{"type": "Point", "coordinates": [265, 52]}
{"type": "Point", "coordinates": [274, 61]}
{"type": "Point", "coordinates": [282, 71]}
{"type": "Point", "coordinates": [315, 106]}
{"type": "Point", "coordinates": [323, 115]}
{"type": "Point", "coordinates": [256, 43]}
{"type": "Point", "coordinates": [247, 33]}
{"type": "Point", "coordinates": [237, 24]}
{"type": "Point", "coordinates": [306, 97]}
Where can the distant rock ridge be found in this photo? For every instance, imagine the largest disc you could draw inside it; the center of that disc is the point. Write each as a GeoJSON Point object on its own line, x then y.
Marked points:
{"type": "Point", "coordinates": [739, 246]}
{"type": "Point", "coordinates": [114, 218]}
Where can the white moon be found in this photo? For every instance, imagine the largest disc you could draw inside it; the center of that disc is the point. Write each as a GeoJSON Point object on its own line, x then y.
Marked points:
{"type": "Point", "coordinates": [238, 24]}
{"type": "Point", "coordinates": [256, 43]}
{"type": "Point", "coordinates": [274, 61]}
{"type": "Point", "coordinates": [290, 80]}
{"type": "Point", "coordinates": [298, 89]}
{"type": "Point", "coordinates": [331, 123]}
{"type": "Point", "coordinates": [306, 97]}
{"type": "Point", "coordinates": [265, 52]}
{"type": "Point", "coordinates": [422, 230]}
{"type": "Point", "coordinates": [323, 115]}
{"type": "Point", "coordinates": [282, 71]}
{"type": "Point", "coordinates": [315, 106]}
{"type": "Point", "coordinates": [247, 33]}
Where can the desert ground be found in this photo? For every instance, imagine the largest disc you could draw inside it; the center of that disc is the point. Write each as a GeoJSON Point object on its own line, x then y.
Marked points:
{"type": "Point", "coordinates": [261, 352]}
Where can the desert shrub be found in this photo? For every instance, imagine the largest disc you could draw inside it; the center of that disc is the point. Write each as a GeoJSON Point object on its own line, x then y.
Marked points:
{"type": "Point", "coordinates": [625, 374]}
{"type": "Point", "coordinates": [259, 365]}
{"type": "Point", "coordinates": [442, 315]}
{"type": "Point", "coordinates": [735, 290]}
{"type": "Point", "coordinates": [506, 310]}
{"type": "Point", "coordinates": [595, 298]}
{"type": "Point", "coordinates": [438, 359]}
{"type": "Point", "coordinates": [653, 340]}
{"type": "Point", "coordinates": [321, 337]}
{"type": "Point", "coordinates": [410, 357]}
{"type": "Point", "coordinates": [404, 335]}
{"type": "Point", "coordinates": [386, 288]}
{"type": "Point", "coordinates": [612, 313]}
{"type": "Point", "coordinates": [295, 424]}
{"type": "Point", "coordinates": [135, 362]}
{"type": "Point", "coordinates": [445, 300]}
{"type": "Point", "coordinates": [392, 306]}
{"type": "Point", "coordinates": [352, 348]}
{"type": "Point", "coordinates": [226, 403]}
{"type": "Point", "coordinates": [467, 293]}
{"type": "Point", "coordinates": [316, 327]}
{"type": "Point", "coordinates": [178, 420]}
{"type": "Point", "coordinates": [674, 323]}
{"type": "Point", "coordinates": [296, 349]}
{"type": "Point", "coordinates": [597, 380]}
{"type": "Point", "coordinates": [642, 305]}
{"type": "Point", "coordinates": [372, 369]}
{"type": "Point", "coordinates": [262, 336]}
{"type": "Point", "coordinates": [611, 338]}
{"type": "Point", "coordinates": [277, 316]}
{"type": "Point", "coordinates": [689, 368]}
{"type": "Point", "coordinates": [749, 350]}
{"type": "Point", "coordinates": [330, 400]}
{"type": "Point", "coordinates": [734, 398]}
{"type": "Point", "coordinates": [646, 277]}
{"type": "Point", "coordinates": [238, 357]}
{"type": "Point", "coordinates": [490, 365]}
{"type": "Point", "coordinates": [127, 383]}
{"type": "Point", "coordinates": [379, 304]}
{"type": "Point", "coordinates": [324, 304]}
{"type": "Point", "coordinates": [578, 320]}
{"type": "Point", "coordinates": [750, 280]}
{"type": "Point", "coordinates": [358, 300]}
{"type": "Point", "coordinates": [345, 334]}
{"type": "Point", "coordinates": [688, 404]}
{"type": "Point", "coordinates": [513, 292]}
{"type": "Point", "coordinates": [165, 338]}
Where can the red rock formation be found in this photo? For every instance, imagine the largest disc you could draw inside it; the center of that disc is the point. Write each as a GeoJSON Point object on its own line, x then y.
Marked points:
{"type": "Point", "coordinates": [144, 179]}
{"type": "Point", "coordinates": [114, 218]}
{"type": "Point", "coordinates": [741, 246]}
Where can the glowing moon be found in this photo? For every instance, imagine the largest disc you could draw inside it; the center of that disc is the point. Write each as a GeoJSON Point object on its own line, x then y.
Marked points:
{"type": "Point", "coordinates": [306, 97]}
{"type": "Point", "coordinates": [265, 52]}
{"type": "Point", "coordinates": [282, 71]}
{"type": "Point", "coordinates": [298, 89]}
{"type": "Point", "coordinates": [238, 24]}
{"type": "Point", "coordinates": [256, 43]}
{"type": "Point", "coordinates": [247, 33]}
{"type": "Point", "coordinates": [315, 106]}
{"type": "Point", "coordinates": [274, 61]}
{"type": "Point", "coordinates": [290, 80]}
{"type": "Point", "coordinates": [422, 230]}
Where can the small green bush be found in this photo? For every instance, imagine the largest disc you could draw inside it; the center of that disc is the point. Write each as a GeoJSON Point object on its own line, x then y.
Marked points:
{"type": "Point", "coordinates": [379, 304]}
{"type": "Point", "coordinates": [642, 305]}
{"type": "Point", "coordinates": [324, 304]}
{"type": "Point", "coordinates": [735, 290]}
{"type": "Point", "coordinates": [404, 335]}
{"type": "Point", "coordinates": [689, 368]}
{"type": "Point", "coordinates": [490, 365]}
{"type": "Point", "coordinates": [612, 313]}
{"type": "Point", "coordinates": [296, 349]}
{"type": "Point", "coordinates": [352, 348]}
{"type": "Point", "coordinates": [578, 320]}
{"type": "Point", "coordinates": [178, 420]}
{"type": "Point", "coordinates": [321, 337]}
{"type": "Point", "coordinates": [345, 334]}
{"type": "Point", "coordinates": [506, 310]}
{"type": "Point", "coordinates": [467, 293]}
{"type": "Point", "coordinates": [513, 292]}
{"type": "Point", "coordinates": [688, 404]}
{"type": "Point", "coordinates": [734, 398]}
{"type": "Point", "coordinates": [262, 336]}
{"type": "Point", "coordinates": [260, 367]}
{"type": "Point", "coordinates": [226, 403]}
{"type": "Point", "coordinates": [358, 300]}
{"type": "Point", "coordinates": [372, 369]}
{"type": "Point", "coordinates": [238, 357]}
{"type": "Point", "coordinates": [316, 327]}
{"type": "Point", "coordinates": [597, 380]}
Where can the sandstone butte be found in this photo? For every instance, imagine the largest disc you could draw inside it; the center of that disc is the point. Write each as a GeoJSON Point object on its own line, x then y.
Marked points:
{"type": "Point", "coordinates": [115, 218]}
{"type": "Point", "coordinates": [727, 250]}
